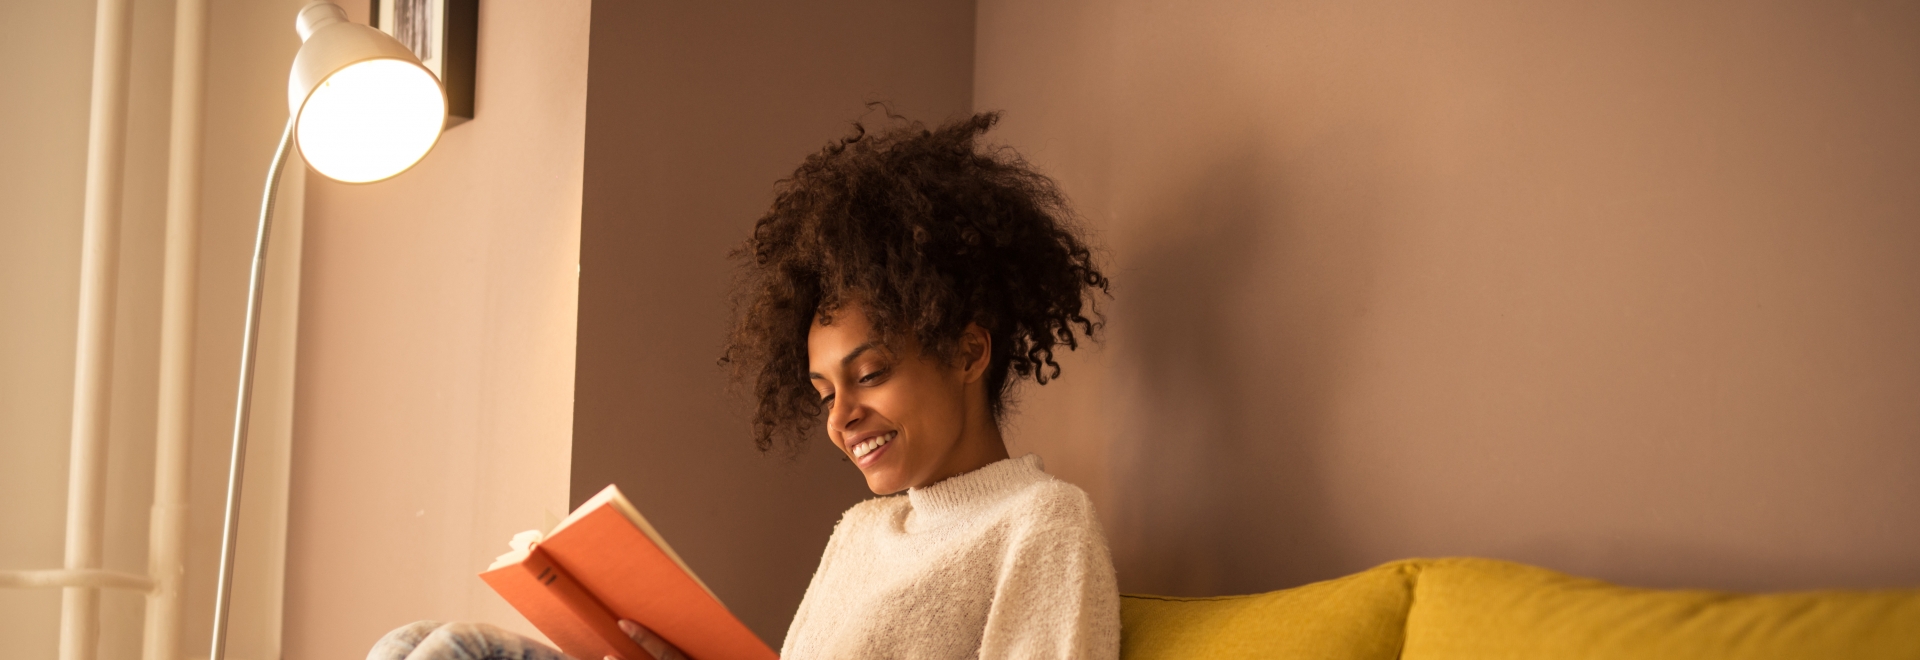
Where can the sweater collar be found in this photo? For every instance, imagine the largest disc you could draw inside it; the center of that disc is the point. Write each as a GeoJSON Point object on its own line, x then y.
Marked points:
{"type": "Point", "coordinates": [961, 494]}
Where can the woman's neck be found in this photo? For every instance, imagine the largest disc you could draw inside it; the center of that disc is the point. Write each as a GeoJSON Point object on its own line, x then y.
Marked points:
{"type": "Point", "coordinates": [980, 445]}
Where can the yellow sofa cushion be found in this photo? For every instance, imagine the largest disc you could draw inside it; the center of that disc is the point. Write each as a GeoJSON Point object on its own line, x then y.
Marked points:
{"type": "Point", "coordinates": [1360, 616]}
{"type": "Point", "coordinates": [1480, 609]}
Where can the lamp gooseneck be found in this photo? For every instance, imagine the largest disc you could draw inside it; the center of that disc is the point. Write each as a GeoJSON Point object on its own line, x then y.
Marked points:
{"type": "Point", "coordinates": [237, 462]}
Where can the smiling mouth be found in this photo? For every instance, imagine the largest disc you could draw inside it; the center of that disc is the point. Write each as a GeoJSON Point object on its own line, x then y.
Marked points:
{"type": "Point", "coordinates": [870, 444]}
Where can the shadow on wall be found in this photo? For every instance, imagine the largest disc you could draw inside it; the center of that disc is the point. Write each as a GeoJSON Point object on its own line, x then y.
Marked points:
{"type": "Point", "coordinates": [1228, 344]}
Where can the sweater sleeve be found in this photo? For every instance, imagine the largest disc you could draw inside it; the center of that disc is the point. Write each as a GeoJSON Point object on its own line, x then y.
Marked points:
{"type": "Point", "coordinates": [1055, 596]}
{"type": "Point", "coordinates": [800, 615]}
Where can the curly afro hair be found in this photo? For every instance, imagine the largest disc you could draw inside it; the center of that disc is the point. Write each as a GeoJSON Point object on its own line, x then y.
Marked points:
{"type": "Point", "coordinates": [928, 231]}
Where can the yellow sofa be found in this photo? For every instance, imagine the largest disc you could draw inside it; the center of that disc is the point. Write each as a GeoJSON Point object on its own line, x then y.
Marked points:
{"type": "Point", "coordinates": [1481, 609]}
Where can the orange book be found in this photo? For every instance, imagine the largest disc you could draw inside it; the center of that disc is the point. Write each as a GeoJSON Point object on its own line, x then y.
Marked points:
{"type": "Point", "coordinates": [605, 563]}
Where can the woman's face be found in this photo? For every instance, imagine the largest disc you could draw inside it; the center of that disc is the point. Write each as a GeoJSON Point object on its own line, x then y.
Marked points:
{"type": "Point", "coordinates": [901, 417]}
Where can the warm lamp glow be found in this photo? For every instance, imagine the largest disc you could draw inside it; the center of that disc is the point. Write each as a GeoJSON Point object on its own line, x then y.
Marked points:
{"type": "Point", "coordinates": [371, 120]}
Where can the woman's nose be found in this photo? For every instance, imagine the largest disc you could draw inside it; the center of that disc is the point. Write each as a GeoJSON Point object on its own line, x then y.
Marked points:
{"type": "Point", "coordinates": [845, 413]}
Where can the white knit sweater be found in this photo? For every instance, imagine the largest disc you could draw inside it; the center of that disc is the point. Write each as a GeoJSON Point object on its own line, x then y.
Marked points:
{"type": "Point", "coordinates": [1002, 562]}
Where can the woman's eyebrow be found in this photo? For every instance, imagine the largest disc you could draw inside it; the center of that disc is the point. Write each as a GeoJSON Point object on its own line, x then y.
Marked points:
{"type": "Point", "coordinates": [857, 351]}
{"type": "Point", "coordinates": [815, 375]}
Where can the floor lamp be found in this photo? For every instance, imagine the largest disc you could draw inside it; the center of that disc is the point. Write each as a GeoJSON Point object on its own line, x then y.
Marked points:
{"type": "Point", "coordinates": [361, 109]}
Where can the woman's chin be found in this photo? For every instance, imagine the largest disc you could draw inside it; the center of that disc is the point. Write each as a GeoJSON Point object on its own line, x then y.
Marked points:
{"type": "Point", "coordinates": [885, 477]}
{"type": "Point", "coordinates": [884, 481]}
{"type": "Point", "coordinates": [882, 468]}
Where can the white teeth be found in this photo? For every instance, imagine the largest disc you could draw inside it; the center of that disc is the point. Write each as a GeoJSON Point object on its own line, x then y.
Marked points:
{"type": "Point", "coordinates": [867, 446]}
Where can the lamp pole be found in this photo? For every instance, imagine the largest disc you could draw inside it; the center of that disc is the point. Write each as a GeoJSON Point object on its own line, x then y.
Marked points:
{"type": "Point", "coordinates": [361, 109]}
{"type": "Point", "coordinates": [237, 463]}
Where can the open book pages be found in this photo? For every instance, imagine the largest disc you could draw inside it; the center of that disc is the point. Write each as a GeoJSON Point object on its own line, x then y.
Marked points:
{"type": "Point", "coordinates": [523, 543]}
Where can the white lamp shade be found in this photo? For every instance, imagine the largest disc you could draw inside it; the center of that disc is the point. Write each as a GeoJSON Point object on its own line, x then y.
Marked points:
{"type": "Point", "coordinates": [364, 108]}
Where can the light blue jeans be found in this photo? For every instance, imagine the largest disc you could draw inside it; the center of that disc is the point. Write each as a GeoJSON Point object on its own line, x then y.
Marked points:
{"type": "Point", "coordinates": [432, 640]}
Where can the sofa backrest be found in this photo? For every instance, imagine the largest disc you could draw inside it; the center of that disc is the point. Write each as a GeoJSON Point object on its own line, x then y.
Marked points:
{"type": "Point", "coordinates": [1361, 616]}
{"type": "Point", "coordinates": [1481, 609]}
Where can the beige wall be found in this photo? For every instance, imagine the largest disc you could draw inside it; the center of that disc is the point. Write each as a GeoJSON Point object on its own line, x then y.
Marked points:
{"type": "Point", "coordinates": [695, 110]}
{"type": "Point", "coordinates": [42, 180]}
{"type": "Point", "coordinates": [436, 352]}
{"type": "Point", "coordinates": [1623, 289]}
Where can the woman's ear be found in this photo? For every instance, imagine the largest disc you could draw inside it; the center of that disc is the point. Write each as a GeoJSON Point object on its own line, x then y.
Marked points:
{"type": "Point", "coordinates": [976, 350]}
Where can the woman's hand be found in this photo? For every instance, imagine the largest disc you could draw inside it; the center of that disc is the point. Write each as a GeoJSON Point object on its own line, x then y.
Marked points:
{"type": "Point", "coordinates": [652, 643]}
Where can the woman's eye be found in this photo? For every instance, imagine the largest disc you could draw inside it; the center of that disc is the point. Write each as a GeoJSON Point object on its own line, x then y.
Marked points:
{"type": "Point", "coordinates": [873, 376]}
{"type": "Point", "coordinates": [826, 400]}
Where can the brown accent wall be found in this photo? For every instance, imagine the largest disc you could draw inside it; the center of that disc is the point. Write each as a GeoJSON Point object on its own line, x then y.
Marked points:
{"type": "Point", "coordinates": [693, 111]}
{"type": "Point", "coordinates": [1626, 289]}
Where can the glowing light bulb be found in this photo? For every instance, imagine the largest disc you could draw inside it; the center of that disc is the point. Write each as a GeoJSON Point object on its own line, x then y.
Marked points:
{"type": "Point", "coordinates": [371, 120]}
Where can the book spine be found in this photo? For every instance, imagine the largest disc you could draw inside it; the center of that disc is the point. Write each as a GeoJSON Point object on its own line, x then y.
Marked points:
{"type": "Point", "coordinates": [565, 612]}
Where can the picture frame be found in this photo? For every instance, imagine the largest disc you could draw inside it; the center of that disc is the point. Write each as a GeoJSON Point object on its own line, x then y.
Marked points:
{"type": "Point", "coordinates": [445, 35]}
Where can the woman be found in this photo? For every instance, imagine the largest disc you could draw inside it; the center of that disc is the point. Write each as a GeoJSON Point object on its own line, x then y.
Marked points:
{"type": "Point", "coordinates": [899, 287]}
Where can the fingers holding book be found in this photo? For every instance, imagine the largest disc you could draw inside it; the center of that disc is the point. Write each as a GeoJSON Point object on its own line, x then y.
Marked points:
{"type": "Point", "coordinates": [653, 644]}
